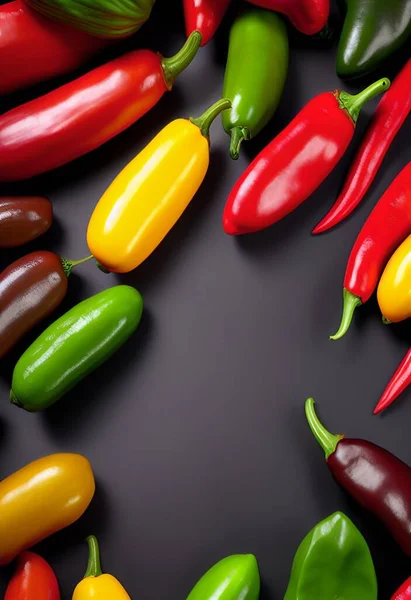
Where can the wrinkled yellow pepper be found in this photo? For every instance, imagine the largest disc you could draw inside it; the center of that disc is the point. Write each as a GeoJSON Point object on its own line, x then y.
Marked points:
{"type": "Point", "coordinates": [394, 289]}
{"type": "Point", "coordinates": [151, 193]}
{"type": "Point", "coordinates": [96, 585]}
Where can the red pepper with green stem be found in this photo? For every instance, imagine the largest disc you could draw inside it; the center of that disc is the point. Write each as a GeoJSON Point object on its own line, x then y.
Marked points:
{"type": "Point", "coordinates": [33, 579]}
{"type": "Point", "coordinates": [374, 477]}
{"type": "Point", "coordinates": [80, 116]}
{"type": "Point", "coordinates": [387, 226]}
{"type": "Point", "coordinates": [386, 122]}
{"type": "Point", "coordinates": [404, 592]}
{"type": "Point", "coordinates": [308, 16]}
{"type": "Point", "coordinates": [204, 16]}
{"type": "Point", "coordinates": [297, 161]}
{"type": "Point", "coordinates": [397, 385]}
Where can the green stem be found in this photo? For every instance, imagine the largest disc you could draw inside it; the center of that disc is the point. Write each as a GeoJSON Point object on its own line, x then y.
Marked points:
{"type": "Point", "coordinates": [102, 268]}
{"type": "Point", "coordinates": [386, 321]}
{"type": "Point", "coordinates": [205, 121]}
{"type": "Point", "coordinates": [350, 303]}
{"type": "Point", "coordinates": [94, 565]}
{"type": "Point", "coordinates": [173, 66]}
{"type": "Point", "coordinates": [238, 134]}
{"type": "Point", "coordinates": [328, 441]}
{"type": "Point", "coordinates": [68, 265]}
{"type": "Point", "coordinates": [353, 104]}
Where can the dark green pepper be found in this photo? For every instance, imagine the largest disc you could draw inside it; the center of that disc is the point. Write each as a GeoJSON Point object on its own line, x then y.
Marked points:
{"type": "Point", "coordinates": [74, 345]}
{"type": "Point", "coordinates": [333, 561]}
{"type": "Point", "coordinates": [255, 74]}
{"type": "Point", "coordinates": [373, 29]}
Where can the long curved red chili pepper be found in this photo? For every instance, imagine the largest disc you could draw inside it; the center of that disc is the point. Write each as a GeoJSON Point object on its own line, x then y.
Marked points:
{"type": "Point", "coordinates": [33, 579]}
{"type": "Point", "coordinates": [386, 122]}
{"type": "Point", "coordinates": [398, 383]}
{"type": "Point", "coordinates": [34, 48]}
{"type": "Point", "coordinates": [404, 592]}
{"type": "Point", "coordinates": [296, 162]}
{"type": "Point", "coordinates": [308, 16]}
{"type": "Point", "coordinates": [204, 16]}
{"type": "Point", "coordinates": [387, 226]}
{"type": "Point", "coordinates": [80, 116]}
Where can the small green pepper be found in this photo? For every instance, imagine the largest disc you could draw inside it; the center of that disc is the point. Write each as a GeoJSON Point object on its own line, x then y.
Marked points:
{"type": "Point", "coordinates": [255, 74]}
{"type": "Point", "coordinates": [233, 578]}
{"type": "Point", "coordinates": [74, 345]}
{"type": "Point", "coordinates": [334, 562]}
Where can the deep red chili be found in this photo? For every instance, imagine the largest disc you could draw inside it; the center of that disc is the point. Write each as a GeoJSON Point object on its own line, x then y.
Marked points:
{"type": "Point", "coordinates": [404, 592]}
{"type": "Point", "coordinates": [308, 16]}
{"type": "Point", "coordinates": [296, 162]}
{"type": "Point", "coordinates": [386, 122]}
{"type": "Point", "coordinates": [387, 226]}
{"type": "Point", "coordinates": [374, 477]}
{"type": "Point", "coordinates": [204, 16]}
{"type": "Point", "coordinates": [33, 579]}
{"type": "Point", "coordinates": [34, 48]}
{"type": "Point", "coordinates": [397, 385]}
{"type": "Point", "coordinates": [80, 116]}
{"type": "Point", "coordinates": [23, 218]}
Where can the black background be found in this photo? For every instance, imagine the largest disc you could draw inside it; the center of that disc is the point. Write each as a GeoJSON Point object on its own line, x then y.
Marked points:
{"type": "Point", "coordinates": [196, 429]}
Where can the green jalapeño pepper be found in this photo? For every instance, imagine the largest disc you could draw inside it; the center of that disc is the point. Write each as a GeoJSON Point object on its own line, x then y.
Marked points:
{"type": "Point", "coordinates": [255, 74]}
{"type": "Point", "coordinates": [233, 578]}
{"type": "Point", "coordinates": [333, 561]}
{"type": "Point", "coordinates": [373, 29]}
{"type": "Point", "coordinates": [74, 345]}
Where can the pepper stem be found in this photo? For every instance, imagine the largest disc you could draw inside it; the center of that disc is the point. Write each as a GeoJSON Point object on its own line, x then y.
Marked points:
{"type": "Point", "coordinates": [350, 303]}
{"type": "Point", "coordinates": [354, 103]}
{"type": "Point", "coordinates": [205, 121]}
{"type": "Point", "coordinates": [94, 565]}
{"type": "Point", "coordinates": [386, 321]}
{"type": "Point", "coordinates": [328, 441]}
{"type": "Point", "coordinates": [238, 134]}
{"type": "Point", "coordinates": [173, 66]}
{"type": "Point", "coordinates": [68, 265]}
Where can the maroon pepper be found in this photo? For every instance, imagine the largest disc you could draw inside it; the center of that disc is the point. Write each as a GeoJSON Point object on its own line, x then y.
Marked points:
{"type": "Point", "coordinates": [23, 219]}
{"type": "Point", "coordinates": [374, 477]}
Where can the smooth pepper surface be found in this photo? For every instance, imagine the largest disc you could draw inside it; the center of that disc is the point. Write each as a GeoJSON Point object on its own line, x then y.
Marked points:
{"type": "Point", "coordinates": [33, 579]}
{"type": "Point", "coordinates": [394, 289]}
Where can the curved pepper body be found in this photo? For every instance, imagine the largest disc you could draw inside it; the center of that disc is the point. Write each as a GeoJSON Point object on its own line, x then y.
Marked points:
{"type": "Point", "coordinates": [232, 578]}
{"type": "Point", "coordinates": [333, 561]}
{"type": "Point", "coordinates": [394, 289]}
{"type": "Point", "coordinates": [23, 219]}
{"type": "Point", "coordinates": [397, 385]}
{"type": "Point", "coordinates": [103, 587]}
{"type": "Point", "coordinates": [255, 74]}
{"type": "Point", "coordinates": [308, 16]}
{"type": "Point", "coordinates": [75, 345]}
{"type": "Point", "coordinates": [404, 592]}
{"type": "Point", "coordinates": [42, 498]}
{"type": "Point", "coordinates": [204, 16]}
{"type": "Point", "coordinates": [33, 579]}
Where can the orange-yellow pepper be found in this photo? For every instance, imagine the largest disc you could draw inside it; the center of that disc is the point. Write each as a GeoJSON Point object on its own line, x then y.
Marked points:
{"type": "Point", "coordinates": [151, 193]}
{"type": "Point", "coordinates": [394, 289]}
{"type": "Point", "coordinates": [96, 585]}
{"type": "Point", "coordinates": [42, 498]}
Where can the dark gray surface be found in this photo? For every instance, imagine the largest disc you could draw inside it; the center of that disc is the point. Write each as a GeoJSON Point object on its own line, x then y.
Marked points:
{"type": "Point", "coordinates": [195, 429]}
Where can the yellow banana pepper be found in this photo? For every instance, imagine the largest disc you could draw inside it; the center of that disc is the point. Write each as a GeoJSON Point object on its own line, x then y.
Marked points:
{"type": "Point", "coordinates": [394, 289]}
{"type": "Point", "coordinates": [151, 193]}
{"type": "Point", "coordinates": [95, 585]}
{"type": "Point", "coordinates": [42, 498]}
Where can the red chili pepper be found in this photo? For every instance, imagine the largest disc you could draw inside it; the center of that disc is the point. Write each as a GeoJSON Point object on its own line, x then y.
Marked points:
{"type": "Point", "coordinates": [398, 383]}
{"type": "Point", "coordinates": [296, 162]}
{"type": "Point", "coordinates": [386, 122]}
{"type": "Point", "coordinates": [204, 16]}
{"type": "Point", "coordinates": [308, 16]}
{"type": "Point", "coordinates": [404, 592]}
{"type": "Point", "coordinates": [80, 116]}
{"type": "Point", "coordinates": [374, 477]}
{"type": "Point", "coordinates": [34, 48]}
{"type": "Point", "coordinates": [23, 219]}
{"type": "Point", "coordinates": [33, 579]}
{"type": "Point", "coordinates": [387, 226]}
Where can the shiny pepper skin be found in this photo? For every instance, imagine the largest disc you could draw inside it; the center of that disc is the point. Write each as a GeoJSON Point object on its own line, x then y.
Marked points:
{"type": "Point", "coordinates": [308, 16]}
{"type": "Point", "coordinates": [394, 289]}
{"type": "Point", "coordinates": [33, 579]}
{"type": "Point", "coordinates": [23, 219]}
{"type": "Point", "coordinates": [404, 592]}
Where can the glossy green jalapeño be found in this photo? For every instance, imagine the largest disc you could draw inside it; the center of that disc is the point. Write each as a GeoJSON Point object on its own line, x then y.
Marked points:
{"type": "Point", "coordinates": [233, 578]}
{"type": "Point", "coordinates": [255, 74]}
{"type": "Point", "coordinates": [74, 345]}
{"type": "Point", "coordinates": [333, 561]}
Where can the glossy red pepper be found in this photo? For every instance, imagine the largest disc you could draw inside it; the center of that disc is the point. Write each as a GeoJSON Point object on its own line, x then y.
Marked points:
{"type": "Point", "coordinates": [404, 592]}
{"type": "Point", "coordinates": [296, 162]}
{"type": "Point", "coordinates": [397, 385]}
{"type": "Point", "coordinates": [23, 218]}
{"type": "Point", "coordinates": [33, 579]}
{"type": "Point", "coordinates": [204, 16]}
{"type": "Point", "coordinates": [387, 226]}
{"type": "Point", "coordinates": [308, 16]}
{"type": "Point", "coordinates": [374, 477]}
{"type": "Point", "coordinates": [80, 116]}
{"type": "Point", "coordinates": [386, 122]}
{"type": "Point", "coordinates": [33, 48]}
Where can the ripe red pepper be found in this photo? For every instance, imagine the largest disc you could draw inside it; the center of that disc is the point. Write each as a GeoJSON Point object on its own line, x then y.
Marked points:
{"type": "Point", "coordinates": [398, 383]}
{"type": "Point", "coordinates": [204, 16]}
{"type": "Point", "coordinates": [386, 122]}
{"type": "Point", "coordinates": [33, 579]}
{"type": "Point", "coordinates": [387, 226]}
{"type": "Point", "coordinates": [34, 48]}
{"type": "Point", "coordinates": [308, 16]}
{"type": "Point", "coordinates": [23, 219]}
{"type": "Point", "coordinates": [374, 477]}
{"type": "Point", "coordinates": [296, 162]}
{"type": "Point", "coordinates": [80, 116]}
{"type": "Point", "coordinates": [404, 592]}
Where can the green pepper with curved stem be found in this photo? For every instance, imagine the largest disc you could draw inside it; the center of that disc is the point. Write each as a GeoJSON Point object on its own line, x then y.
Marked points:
{"type": "Point", "coordinates": [333, 561]}
{"type": "Point", "coordinates": [255, 73]}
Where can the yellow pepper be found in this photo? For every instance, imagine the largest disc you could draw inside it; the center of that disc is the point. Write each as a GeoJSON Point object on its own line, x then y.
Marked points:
{"type": "Point", "coordinates": [151, 193]}
{"type": "Point", "coordinates": [42, 498]}
{"type": "Point", "coordinates": [95, 585]}
{"type": "Point", "coordinates": [394, 289]}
